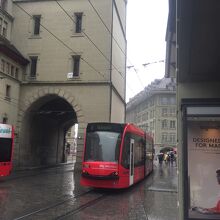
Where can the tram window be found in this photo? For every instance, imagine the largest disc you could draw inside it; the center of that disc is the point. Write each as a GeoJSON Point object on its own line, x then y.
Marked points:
{"type": "Point", "coordinates": [139, 151]}
{"type": "Point", "coordinates": [102, 146]}
{"type": "Point", "coordinates": [117, 149]}
{"type": "Point", "coordinates": [5, 149]}
{"type": "Point", "coordinates": [125, 162]}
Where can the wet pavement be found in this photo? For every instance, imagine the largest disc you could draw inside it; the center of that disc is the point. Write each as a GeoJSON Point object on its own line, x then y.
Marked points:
{"type": "Point", "coordinates": [55, 193]}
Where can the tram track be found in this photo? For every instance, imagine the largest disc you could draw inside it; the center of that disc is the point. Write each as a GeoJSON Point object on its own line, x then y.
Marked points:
{"type": "Point", "coordinates": [62, 209]}
{"type": "Point", "coordinates": [77, 210]}
{"type": "Point", "coordinates": [54, 170]}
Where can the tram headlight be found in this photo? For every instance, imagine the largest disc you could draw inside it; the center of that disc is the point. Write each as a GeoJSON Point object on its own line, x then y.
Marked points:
{"type": "Point", "coordinates": [115, 173]}
{"type": "Point", "coordinates": [86, 166]}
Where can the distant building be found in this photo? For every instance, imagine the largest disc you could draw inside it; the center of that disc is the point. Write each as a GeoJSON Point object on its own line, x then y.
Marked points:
{"type": "Point", "coordinates": [154, 110]}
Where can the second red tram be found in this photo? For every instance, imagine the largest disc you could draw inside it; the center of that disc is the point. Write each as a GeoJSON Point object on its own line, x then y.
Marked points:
{"type": "Point", "coordinates": [115, 155]}
{"type": "Point", "coordinates": [6, 148]}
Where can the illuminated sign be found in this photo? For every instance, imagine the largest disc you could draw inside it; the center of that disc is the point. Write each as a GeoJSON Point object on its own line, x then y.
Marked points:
{"type": "Point", "coordinates": [5, 131]}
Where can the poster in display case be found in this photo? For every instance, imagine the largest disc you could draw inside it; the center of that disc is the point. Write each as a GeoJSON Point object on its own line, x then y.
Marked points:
{"type": "Point", "coordinates": [202, 134]}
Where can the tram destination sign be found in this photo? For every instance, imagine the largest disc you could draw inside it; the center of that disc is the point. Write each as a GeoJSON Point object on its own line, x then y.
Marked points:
{"type": "Point", "coordinates": [5, 131]}
{"type": "Point", "coordinates": [113, 127]}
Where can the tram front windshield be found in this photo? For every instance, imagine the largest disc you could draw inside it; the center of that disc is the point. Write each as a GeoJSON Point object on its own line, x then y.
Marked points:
{"type": "Point", "coordinates": [102, 146]}
{"type": "Point", "coordinates": [5, 149]}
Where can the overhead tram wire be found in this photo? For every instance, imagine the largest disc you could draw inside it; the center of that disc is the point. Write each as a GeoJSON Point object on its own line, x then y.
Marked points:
{"type": "Point", "coordinates": [97, 13]}
{"type": "Point", "coordinates": [65, 45]}
{"type": "Point", "coordinates": [101, 74]}
{"type": "Point", "coordinates": [139, 79]}
{"type": "Point", "coordinates": [90, 39]}
{"type": "Point", "coordinates": [106, 27]}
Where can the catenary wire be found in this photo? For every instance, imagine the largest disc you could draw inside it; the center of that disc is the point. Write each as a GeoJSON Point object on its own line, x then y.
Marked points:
{"type": "Point", "coordinates": [98, 14]}
{"type": "Point", "coordinates": [59, 40]}
{"type": "Point", "coordinates": [87, 36]}
{"type": "Point", "coordinates": [62, 42]}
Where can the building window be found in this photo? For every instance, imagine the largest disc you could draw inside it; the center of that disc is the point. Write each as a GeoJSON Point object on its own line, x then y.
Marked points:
{"type": "Point", "coordinates": [151, 125]}
{"type": "Point", "coordinates": [164, 101]}
{"type": "Point", "coordinates": [8, 92]}
{"type": "Point", "coordinates": [172, 111]}
{"type": "Point", "coordinates": [164, 111]}
{"type": "Point", "coordinates": [78, 22]}
{"type": "Point", "coordinates": [4, 120]}
{"type": "Point", "coordinates": [37, 19]}
{"type": "Point", "coordinates": [1, 25]}
{"type": "Point", "coordinates": [164, 124]}
{"type": "Point", "coordinates": [12, 71]}
{"type": "Point", "coordinates": [172, 124]}
{"type": "Point", "coordinates": [4, 30]}
{"type": "Point", "coordinates": [76, 63]}
{"type": "Point", "coordinates": [172, 100]}
{"type": "Point", "coordinates": [7, 68]}
{"type": "Point", "coordinates": [172, 138]}
{"type": "Point", "coordinates": [164, 138]}
{"type": "Point", "coordinates": [16, 73]}
{"type": "Point", "coordinates": [33, 66]}
{"type": "Point", "coordinates": [3, 66]}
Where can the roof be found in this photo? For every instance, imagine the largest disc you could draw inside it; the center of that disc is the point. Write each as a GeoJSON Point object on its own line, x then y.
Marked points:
{"type": "Point", "coordinates": [164, 85]}
{"type": "Point", "coordinates": [11, 51]}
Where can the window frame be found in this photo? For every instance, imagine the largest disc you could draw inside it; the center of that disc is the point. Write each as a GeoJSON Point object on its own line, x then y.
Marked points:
{"type": "Point", "coordinates": [4, 29]}
{"type": "Point", "coordinates": [36, 25]}
{"type": "Point", "coordinates": [76, 65]}
{"type": "Point", "coordinates": [78, 22]}
{"type": "Point", "coordinates": [33, 66]}
{"type": "Point", "coordinates": [8, 92]}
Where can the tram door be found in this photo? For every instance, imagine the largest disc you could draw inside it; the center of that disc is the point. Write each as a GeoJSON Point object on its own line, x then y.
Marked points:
{"type": "Point", "coordinates": [131, 173]}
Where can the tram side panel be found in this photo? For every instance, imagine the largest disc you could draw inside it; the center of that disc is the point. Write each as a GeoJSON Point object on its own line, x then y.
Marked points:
{"type": "Point", "coordinates": [6, 148]}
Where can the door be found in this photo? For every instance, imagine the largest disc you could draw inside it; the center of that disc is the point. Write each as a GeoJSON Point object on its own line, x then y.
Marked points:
{"type": "Point", "coordinates": [131, 173]}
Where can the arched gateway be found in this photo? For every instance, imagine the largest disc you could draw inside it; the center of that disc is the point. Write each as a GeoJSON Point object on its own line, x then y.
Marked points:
{"type": "Point", "coordinates": [44, 118]}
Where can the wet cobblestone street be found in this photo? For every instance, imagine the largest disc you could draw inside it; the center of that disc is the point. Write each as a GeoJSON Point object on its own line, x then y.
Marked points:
{"type": "Point", "coordinates": [55, 193]}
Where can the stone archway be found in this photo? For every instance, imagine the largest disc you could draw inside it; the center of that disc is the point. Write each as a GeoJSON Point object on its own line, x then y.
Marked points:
{"type": "Point", "coordinates": [44, 117]}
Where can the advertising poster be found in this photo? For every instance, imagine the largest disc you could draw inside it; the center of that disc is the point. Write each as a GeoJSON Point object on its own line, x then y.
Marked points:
{"type": "Point", "coordinates": [203, 143]}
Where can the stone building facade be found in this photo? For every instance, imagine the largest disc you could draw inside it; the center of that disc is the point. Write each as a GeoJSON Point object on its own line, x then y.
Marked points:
{"type": "Point", "coordinates": [154, 110]}
{"type": "Point", "coordinates": [68, 73]}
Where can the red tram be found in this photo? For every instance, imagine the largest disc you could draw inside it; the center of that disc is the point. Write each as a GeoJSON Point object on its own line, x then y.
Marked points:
{"type": "Point", "coordinates": [6, 148]}
{"type": "Point", "coordinates": [115, 155]}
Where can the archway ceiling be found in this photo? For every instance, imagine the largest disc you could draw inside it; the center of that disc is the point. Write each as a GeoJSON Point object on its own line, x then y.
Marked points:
{"type": "Point", "coordinates": [58, 109]}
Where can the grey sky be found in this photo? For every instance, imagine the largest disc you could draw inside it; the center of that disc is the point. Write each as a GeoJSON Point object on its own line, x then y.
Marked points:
{"type": "Point", "coordinates": [146, 29]}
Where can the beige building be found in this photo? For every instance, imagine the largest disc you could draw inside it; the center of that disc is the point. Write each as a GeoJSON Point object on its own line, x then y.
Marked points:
{"type": "Point", "coordinates": [72, 71]}
{"type": "Point", "coordinates": [154, 110]}
{"type": "Point", "coordinates": [12, 67]}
